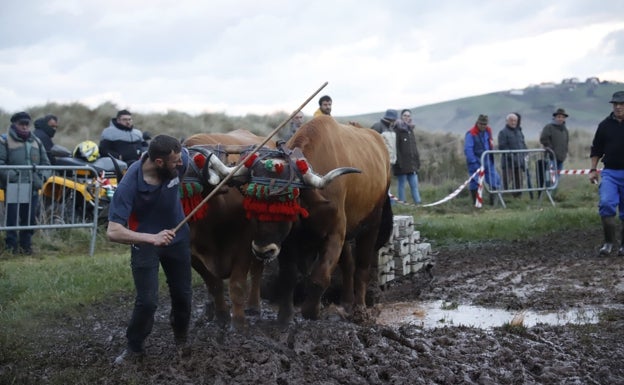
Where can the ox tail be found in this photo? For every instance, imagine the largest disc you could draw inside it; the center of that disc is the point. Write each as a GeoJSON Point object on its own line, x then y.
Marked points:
{"type": "Point", "coordinates": [386, 224]}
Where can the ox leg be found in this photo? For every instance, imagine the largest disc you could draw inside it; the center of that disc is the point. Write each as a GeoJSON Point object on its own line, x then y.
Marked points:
{"type": "Point", "coordinates": [255, 273]}
{"type": "Point", "coordinates": [287, 280]}
{"type": "Point", "coordinates": [238, 290]}
{"type": "Point", "coordinates": [364, 258]}
{"type": "Point", "coordinates": [347, 269]}
{"type": "Point", "coordinates": [217, 307]}
{"type": "Point", "coordinates": [321, 276]}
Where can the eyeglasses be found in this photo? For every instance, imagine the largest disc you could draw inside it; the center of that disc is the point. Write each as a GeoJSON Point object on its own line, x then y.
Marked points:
{"type": "Point", "coordinates": [126, 119]}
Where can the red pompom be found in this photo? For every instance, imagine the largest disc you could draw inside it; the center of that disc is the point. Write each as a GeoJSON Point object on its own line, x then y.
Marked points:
{"type": "Point", "coordinates": [302, 165]}
{"type": "Point", "coordinates": [279, 167]}
{"type": "Point", "coordinates": [251, 160]}
{"type": "Point", "coordinates": [200, 160]}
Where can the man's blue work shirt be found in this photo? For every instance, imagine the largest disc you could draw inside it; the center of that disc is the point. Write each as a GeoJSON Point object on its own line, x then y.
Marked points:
{"type": "Point", "coordinates": [148, 208]}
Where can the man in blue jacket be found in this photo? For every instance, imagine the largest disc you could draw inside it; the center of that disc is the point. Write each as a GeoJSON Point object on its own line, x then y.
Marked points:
{"type": "Point", "coordinates": [478, 140]}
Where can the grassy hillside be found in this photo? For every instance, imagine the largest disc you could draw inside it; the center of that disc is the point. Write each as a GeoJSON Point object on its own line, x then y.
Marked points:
{"type": "Point", "coordinates": [586, 104]}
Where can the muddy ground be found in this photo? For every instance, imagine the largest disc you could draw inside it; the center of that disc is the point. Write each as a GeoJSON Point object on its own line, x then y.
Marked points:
{"type": "Point", "coordinates": [557, 272]}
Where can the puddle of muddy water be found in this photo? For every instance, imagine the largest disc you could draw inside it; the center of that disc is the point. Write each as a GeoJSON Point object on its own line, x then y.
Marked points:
{"type": "Point", "coordinates": [439, 314]}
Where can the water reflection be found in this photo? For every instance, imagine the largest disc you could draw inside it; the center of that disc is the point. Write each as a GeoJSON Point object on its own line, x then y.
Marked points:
{"type": "Point", "coordinates": [438, 314]}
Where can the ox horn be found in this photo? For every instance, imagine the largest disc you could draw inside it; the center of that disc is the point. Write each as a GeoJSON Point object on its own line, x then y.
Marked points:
{"type": "Point", "coordinates": [311, 179]}
{"type": "Point", "coordinates": [223, 170]}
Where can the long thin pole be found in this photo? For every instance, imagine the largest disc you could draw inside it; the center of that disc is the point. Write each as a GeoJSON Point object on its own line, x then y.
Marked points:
{"type": "Point", "coordinates": [242, 162]}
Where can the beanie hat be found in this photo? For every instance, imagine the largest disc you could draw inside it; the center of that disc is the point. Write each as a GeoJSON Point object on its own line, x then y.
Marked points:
{"type": "Point", "coordinates": [483, 119]}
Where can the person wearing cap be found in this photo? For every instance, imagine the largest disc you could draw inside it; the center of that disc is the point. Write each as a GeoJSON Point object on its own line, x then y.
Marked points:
{"type": "Point", "coordinates": [21, 147]}
{"type": "Point", "coordinates": [407, 158]}
{"type": "Point", "coordinates": [478, 140]}
{"type": "Point", "coordinates": [608, 147]}
{"type": "Point", "coordinates": [325, 106]}
{"type": "Point", "coordinates": [512, 138]}
{"type": "Point", "coordinates": [121, 139]}
{"type": "Point", "coordinates": [385, 126]}
{"type": "Point", "coordinates": [45, 128]}
{"type": "Point", "coordinates": [555, 137]}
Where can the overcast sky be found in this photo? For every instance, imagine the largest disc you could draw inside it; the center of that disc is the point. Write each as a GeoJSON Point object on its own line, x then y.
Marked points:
{"type": "Point", "coordinates": [259, 57]}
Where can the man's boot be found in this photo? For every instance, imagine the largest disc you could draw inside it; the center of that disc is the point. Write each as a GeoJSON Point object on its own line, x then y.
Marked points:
{"type": "Point", "coordinates": [473, 196]}
{"type": "Point", "coordinates": [608, 226]}
{"type": "Point", "coordinates": [621, 250]}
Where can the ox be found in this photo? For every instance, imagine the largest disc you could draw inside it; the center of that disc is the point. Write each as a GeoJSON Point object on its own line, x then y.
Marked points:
{"type": "Point", "coordinates": [221, 238]}
{"type": "Point", "coordinates": [319, 218]}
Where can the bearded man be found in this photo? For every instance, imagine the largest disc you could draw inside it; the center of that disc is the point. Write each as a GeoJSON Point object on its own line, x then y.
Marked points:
{"type": "Point", "coordinates": [144, 210]}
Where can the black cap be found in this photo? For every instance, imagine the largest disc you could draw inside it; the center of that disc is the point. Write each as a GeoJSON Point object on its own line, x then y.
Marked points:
{"type": "Point", "coordinates": [20, 117]}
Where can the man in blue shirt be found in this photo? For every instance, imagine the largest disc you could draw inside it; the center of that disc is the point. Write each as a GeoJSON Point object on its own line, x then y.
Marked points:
{"type": "Point", "coordinates": [144, 210]}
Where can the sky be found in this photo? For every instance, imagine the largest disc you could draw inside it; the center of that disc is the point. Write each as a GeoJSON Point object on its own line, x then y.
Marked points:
{"type": "Point", "coordinates": [261, 57]}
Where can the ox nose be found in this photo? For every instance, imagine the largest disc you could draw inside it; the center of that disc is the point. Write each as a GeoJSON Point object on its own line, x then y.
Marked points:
{"type": "Point", "coordinates": [265, 253]}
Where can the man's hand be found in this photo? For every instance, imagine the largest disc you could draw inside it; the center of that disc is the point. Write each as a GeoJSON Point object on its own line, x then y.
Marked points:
{"type": "Point", "coordinates": [593, 176]}
{"type": "Point", "coordinates": [163, 238]}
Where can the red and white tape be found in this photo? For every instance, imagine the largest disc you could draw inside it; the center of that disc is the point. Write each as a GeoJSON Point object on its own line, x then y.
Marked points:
{"type": "Point", "coordinates": [576, 172]}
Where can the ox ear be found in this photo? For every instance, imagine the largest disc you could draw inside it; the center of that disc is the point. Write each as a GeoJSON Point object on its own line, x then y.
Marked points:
{"type": "Point", "coordinates": [314, 180]}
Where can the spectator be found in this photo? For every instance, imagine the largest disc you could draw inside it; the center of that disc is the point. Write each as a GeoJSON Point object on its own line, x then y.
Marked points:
{"type": "Point", "coordinates": [325, 106]}
{"type": "Point", "coordinates": [45, 128]}
{"type": "Point", "coordinates": [555, 137]}
{"type": "Point", "coordinates": [407, 158]}
{"type": "Point", "coordinates": [21, 147]}
{"type": "Point", "coordinates": [143, 212]}
{"type": "Point", "coordinates": [120, 139]}
{"type": "Point", "coordinates": [512, 138]}
{"type": "Point", "coordinates": [478, 140]}
{"type": "Point", "coordinates": [295, 123]}
{"type": "Point", "coordinates": [608, 146]}
{"type": "Point", "coordinates": [385, 126]}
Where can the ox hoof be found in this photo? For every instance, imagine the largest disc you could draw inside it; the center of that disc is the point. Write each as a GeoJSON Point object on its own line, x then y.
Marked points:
{"type": "Point", "coordinates": [222, 318]}
{"type": "Point", "coordinates": [361, 315]}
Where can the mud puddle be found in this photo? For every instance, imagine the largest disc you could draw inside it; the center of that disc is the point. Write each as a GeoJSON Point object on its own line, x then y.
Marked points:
{"type": "Point", "coordinates": [432, 314]}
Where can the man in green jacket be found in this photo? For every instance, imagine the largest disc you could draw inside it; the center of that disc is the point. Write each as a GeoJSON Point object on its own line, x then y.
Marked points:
{"type": "Point", "coordinates": [555, 137]}
{"type": "Point", "coordinates": [22, 147]}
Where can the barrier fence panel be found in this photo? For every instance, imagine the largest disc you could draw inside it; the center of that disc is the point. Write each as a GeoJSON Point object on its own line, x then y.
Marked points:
{"type": "Point", "coordinates": [70, 197]}
{"type": "Point", "coordinates": [516, 172]}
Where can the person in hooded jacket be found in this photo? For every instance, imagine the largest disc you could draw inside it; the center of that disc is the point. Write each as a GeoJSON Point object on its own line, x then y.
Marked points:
{"type": "Point", "coordinates": [478, 140]}
{"type": "Point", "coordinates": [121, 140]}
{"type": "Point", "coordinates": [45, 128]}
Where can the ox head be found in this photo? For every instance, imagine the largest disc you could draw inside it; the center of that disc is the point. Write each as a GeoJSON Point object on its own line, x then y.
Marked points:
{"type": "Point", "coordinates": [274, 181]}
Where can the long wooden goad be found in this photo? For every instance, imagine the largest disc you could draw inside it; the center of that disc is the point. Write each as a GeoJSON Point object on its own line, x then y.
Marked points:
{"type": "Point", "coordinates": [242, 162]}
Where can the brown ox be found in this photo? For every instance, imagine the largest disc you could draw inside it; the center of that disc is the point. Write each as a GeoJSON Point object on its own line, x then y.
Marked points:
{"type": "Point", "coordinates": [220, 242]}
{"type": "Point", "coordinates": [353, 208]}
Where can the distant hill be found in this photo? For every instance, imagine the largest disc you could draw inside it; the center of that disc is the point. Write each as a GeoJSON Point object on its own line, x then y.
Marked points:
{"type": "Point", "coordinates": [585, 102]}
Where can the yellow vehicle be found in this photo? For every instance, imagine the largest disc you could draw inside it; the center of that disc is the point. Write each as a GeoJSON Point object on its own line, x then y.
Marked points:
{"type": "Point", "coordinates": [69, 196]}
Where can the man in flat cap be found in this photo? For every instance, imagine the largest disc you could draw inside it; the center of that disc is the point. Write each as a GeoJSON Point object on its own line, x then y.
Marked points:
{"type": "Point", "coordinates": [478, 140]}
{"type": "Point", "coordinates": [21, 147]}
{"type": "Point", "coordinates": [608, 146]}
{"type": "Point", "coordinates": [555, 137]}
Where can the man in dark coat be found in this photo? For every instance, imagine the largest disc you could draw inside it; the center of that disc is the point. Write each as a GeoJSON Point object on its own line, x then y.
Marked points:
{"type": "Point", "coordinates": [121, 140]}
{"type": "Point", "coordinates": [45, 128]}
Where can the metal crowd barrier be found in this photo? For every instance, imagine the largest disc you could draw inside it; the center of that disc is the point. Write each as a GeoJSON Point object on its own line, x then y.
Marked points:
{"type": "Point", "coordinates": [69, 198]}
{"type": "Point", "coordinates": [516, 172]}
